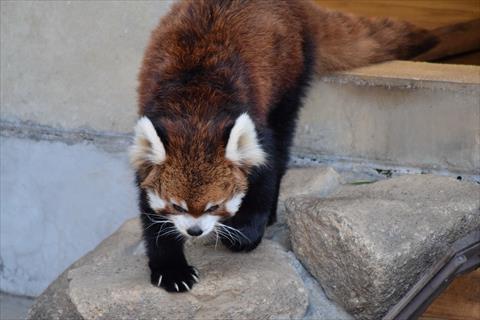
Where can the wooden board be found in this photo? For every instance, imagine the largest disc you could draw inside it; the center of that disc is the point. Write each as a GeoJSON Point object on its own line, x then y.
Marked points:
{"type": "Point", "coordinates": [429, 14]}
{"type": "Point", "coordinates": [460, 301]}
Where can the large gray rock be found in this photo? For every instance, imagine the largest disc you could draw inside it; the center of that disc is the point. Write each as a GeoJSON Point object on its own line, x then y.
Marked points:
{"type": "Point", "coordinates": [319, 181]}
{"type": "Point", "coordinates": [300, 181]}
{"type": "Point", "coordinates": [368, 244]}
{"type": "Point", "coordinates": [112, 282]}
{"type": "Point", "coordinates": [320, 306]}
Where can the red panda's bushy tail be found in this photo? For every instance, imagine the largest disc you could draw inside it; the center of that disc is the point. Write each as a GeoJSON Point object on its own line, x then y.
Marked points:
{"type": "Point", "coordinates": [344, 41]}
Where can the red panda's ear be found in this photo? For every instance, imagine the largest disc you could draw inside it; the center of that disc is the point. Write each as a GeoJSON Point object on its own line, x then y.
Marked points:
{"type": "Point", "coordinates": [147, 148]}
{"type": "Point", "coordinates": [243, 147]}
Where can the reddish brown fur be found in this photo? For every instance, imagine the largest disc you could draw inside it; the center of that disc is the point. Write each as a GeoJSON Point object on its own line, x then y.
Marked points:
{"type": "Point", "coordinates": [266, 34]}
{"type": "Point", "coordinates": [198, 172]}
{"type": "Point", "coordinates": [249, 52]}
{"type": "Point", "coordinates": [347, 41]}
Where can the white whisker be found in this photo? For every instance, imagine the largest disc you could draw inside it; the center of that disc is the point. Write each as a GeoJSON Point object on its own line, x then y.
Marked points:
{"type": "Point", "coordinates": [227, 236]}
{"type": "Point", "coordinates": [216, 237]}
{"type": "Point", "coordinates": [232, 235]}
{"type": "Point", "coordinates": [155, 223]}
{"type": "Point", "coordinates": [235, 230]}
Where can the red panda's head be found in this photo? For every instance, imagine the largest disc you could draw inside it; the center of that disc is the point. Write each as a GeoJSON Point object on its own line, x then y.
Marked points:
{"type": "Point", "coordinates": [195, 173]}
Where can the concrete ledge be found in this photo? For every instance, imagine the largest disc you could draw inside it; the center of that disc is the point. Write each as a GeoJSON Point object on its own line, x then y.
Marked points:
{"type": "Point", "coordinates": [402, 73]}
{"type": "Point", "coordinates": [401, 113]}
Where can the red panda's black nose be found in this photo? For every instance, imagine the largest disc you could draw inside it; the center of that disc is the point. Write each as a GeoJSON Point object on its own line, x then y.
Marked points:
{"type": "Point", "coordinates": [194, 231]}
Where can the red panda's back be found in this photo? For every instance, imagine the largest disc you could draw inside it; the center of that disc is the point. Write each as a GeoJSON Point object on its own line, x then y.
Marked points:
{"type": "Point", "coordinates": [254, 46]}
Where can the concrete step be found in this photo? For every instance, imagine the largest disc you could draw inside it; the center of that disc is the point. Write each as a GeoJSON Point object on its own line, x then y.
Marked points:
{"type": "Point", "coordinates": [397, 114]}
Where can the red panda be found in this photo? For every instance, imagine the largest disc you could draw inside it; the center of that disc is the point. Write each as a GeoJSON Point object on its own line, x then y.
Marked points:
{"type": "Point", "coordinates": [220, 88]}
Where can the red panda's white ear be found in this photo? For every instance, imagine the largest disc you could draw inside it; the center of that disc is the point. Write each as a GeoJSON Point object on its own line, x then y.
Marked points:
{"type": "Point", "coordinates": [147, 147]}
{"type": "Point", "coordinates": [243, 147]}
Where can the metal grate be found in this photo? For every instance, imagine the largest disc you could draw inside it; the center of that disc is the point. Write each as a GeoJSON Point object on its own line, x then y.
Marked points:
{"type": "Point", "coordinates": [463, 257]}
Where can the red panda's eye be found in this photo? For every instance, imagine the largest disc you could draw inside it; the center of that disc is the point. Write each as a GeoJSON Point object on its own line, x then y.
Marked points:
{"type": "Point", "coordinates": [178, 208]}
{"type": "Point", "coordinates": [212, 208]}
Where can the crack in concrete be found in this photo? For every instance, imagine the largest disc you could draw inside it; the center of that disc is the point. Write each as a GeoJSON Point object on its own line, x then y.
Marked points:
{"type": "Point", "coordinates": [108, 141]}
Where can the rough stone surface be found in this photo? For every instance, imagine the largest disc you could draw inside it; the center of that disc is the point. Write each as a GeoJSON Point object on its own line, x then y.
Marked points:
{"type": "Point", "coordinates": [368, 244]}
{"type": "Point", "coordinates": [112, 282]}
{"type": "Point", "coordinates": [319, 306]}
{"type": "Point", "coordinates": [315, 180]}
{"type": "Point", "coordinates": [300, 181]}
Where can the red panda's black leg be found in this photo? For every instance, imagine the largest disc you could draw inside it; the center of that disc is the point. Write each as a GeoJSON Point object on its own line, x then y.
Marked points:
{"type": "Point", "coordinates": [168, 266]}
{"type": "Point", "coordinates": [283, 117]}
{"type": "Point", "coordinates": [164, 247]}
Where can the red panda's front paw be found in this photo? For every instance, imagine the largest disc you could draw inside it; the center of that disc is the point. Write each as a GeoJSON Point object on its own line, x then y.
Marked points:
{"type": "Point", "coordinates": [177, 279]}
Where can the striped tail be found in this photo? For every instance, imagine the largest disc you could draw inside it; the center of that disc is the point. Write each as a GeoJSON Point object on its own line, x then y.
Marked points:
{"type": "Point", "coordinates": [344, 41]}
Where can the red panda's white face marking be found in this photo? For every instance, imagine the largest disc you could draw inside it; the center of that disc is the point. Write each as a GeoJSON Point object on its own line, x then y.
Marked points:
{"type": "Point", "coordinates": [233, 204]}
{"type": "Point", "coordinates": [186, 223]}
{"type": "Point", "coordinates": [191, 226]}
{"type": "Point", "coordinates": [200, 177]}
{"type": "Point", "coordinates": [156, 203]}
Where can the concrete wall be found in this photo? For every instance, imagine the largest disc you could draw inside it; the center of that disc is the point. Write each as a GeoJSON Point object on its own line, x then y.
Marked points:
{"type": "Point", "coordinates": [67, 104]}
{"type": "Point", "coordinates": [57, 202]}
{"type": "Point", "coordinates": [74, 64]}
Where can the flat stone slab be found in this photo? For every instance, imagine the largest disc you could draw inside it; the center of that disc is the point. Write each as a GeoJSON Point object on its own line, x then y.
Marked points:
{"type": "Point", "coordinates": [368, 244]}
{"type": "Point", "coordinates": [112, 282]}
